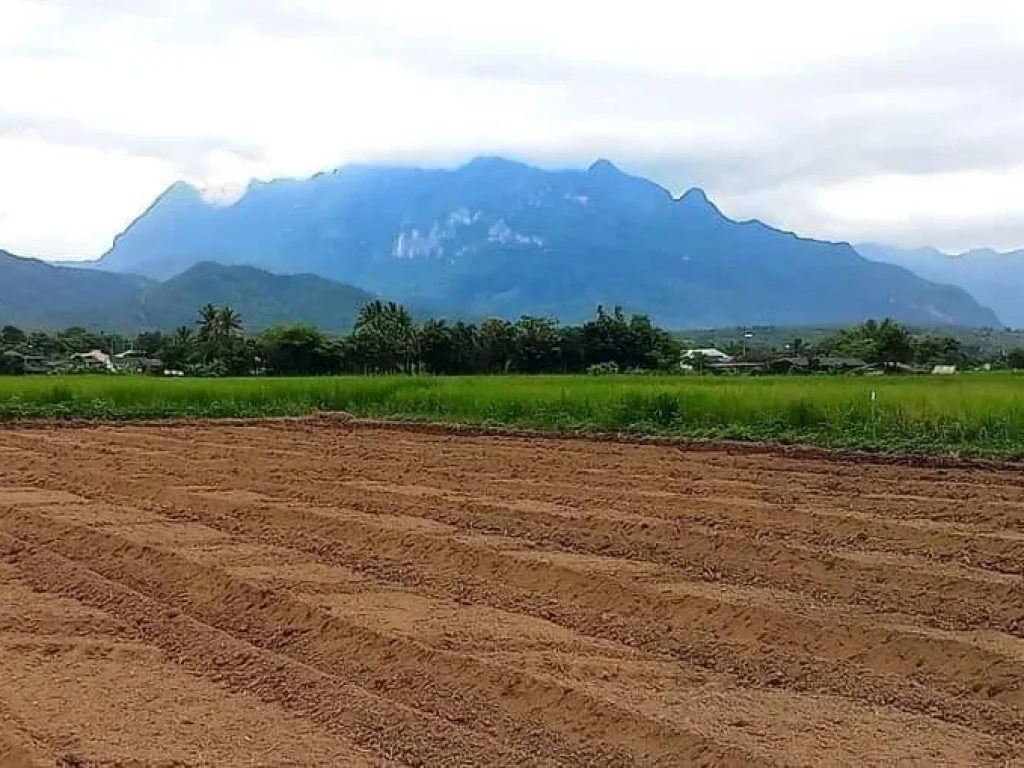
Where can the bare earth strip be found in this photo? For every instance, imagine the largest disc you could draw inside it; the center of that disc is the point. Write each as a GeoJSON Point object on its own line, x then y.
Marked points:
{"type": "Point", "coordinates": [306, 593]}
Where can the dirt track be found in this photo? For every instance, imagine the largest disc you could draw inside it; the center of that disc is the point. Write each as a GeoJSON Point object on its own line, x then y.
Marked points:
{"type": "Point", "coordinates": [310, 595]}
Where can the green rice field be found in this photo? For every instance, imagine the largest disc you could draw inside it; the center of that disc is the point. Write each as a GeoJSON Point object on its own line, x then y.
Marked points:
{"type": "Point", "coordinates": [978, 414]}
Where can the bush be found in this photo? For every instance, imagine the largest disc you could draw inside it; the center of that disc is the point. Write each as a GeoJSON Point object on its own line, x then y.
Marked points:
{"type": "Point", "coordinates": [12, 363]}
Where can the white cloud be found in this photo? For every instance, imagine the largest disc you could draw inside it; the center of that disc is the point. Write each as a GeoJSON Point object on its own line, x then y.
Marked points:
{"type": "Point", "coordinates": [57, 201]}
{"type": "Point", "coordinates": [858, 121]}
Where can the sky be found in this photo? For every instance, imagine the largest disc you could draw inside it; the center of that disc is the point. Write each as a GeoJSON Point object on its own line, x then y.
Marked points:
{"type": "Point", "coordinates": [899, 121]}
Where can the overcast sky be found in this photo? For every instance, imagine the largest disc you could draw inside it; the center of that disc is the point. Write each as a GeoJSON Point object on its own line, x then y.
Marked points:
{"type": "Point", "coordinates": [889, 120]}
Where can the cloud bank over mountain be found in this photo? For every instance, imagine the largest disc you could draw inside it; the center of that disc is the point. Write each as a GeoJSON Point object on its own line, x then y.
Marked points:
{"type": "Point", "coordinates": [868, 122]}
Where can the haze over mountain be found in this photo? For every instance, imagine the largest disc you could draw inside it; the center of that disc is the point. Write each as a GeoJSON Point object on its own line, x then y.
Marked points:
{"type": "Point", "coordinates": [994, 278]}
{"type": "Point", "coordinates": [501, 237]}
{"type": "Point", "coordinates": [36, 295]}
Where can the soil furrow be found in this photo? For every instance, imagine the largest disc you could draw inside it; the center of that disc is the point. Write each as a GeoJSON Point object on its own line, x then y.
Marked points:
{"type": "Point", "coordinates": [601, 606]}
{"type": "Point", "coordinates": [394, 732]}
{"type": "Point", "coordinates": [319, 592]}
{"type": "Point", "coordinates": [696, 553]}
{"type": "Point", "coordinates": [506, 704]}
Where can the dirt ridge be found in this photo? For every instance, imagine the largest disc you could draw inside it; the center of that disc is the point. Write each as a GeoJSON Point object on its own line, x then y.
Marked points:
{"type": "Point", "coordinates": [344, 420]}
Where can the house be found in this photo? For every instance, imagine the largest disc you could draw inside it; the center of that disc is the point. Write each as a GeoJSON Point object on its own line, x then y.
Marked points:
{"type": "Point", "coordinates": [129, 354]}
{"type": "Point", "coordinates": [900, 368]}
{"type": "Point", "coordinates": [735, 367]}
{"type": "Point", "coordinates": [704, 359]}
{"type": "Point", "coordinates": [96, 359]}
{"type": "Point", "coordinates": [708, 354]}
{"type": "Point", "coordinates": [37, 364]}
{"type": "Point", "coordinates": [841, 364]}
{"type": "Point", "coordinates": [135, 361]}
{"type": "Point", "coordinates": [789, 364]}
{"type": "Point", "coordinates": [16, 362]}
{"type": "Point", "coordinates": [800, 364]}
{"type": "Point", "coordinates": [140, 365]}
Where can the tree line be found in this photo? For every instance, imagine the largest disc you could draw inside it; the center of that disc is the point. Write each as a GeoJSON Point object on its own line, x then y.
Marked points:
{"type": "Point", "coordinates": [888, 343]}
{"type": "Point", "coordinates": [386, 339]}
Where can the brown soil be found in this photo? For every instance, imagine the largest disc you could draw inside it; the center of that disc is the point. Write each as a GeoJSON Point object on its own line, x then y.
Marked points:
{"type": "Point", "coordinates": [317, 593]}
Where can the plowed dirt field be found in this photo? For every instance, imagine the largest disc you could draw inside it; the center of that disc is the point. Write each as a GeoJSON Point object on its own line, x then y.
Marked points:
{"type": "Point", "coordinates": [310, 594]}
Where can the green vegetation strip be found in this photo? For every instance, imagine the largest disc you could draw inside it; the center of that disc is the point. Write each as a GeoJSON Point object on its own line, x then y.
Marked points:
{"type": "Point", "coordinates": [969, 414]}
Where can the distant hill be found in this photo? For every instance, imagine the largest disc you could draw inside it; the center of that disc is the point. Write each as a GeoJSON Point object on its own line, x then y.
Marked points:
{"type": "Point", "coordinates": [995, 279]}
{"type": "Point", "coordinates": [261, 298]}
{"type": "Point", "coordinates": [36, 295]}
{"type": "Point", "coordinates": [500, 237]}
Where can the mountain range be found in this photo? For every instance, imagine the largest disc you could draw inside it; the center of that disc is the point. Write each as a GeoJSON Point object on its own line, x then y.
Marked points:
{"type": "Point", "coordinates": [498, 237]}
{"type": "Point", "coordinates": [42, 296]}
{"type": "Point", "coordinates": [504, 238]}
{"type": "Point", "coordinates": [995, 278]}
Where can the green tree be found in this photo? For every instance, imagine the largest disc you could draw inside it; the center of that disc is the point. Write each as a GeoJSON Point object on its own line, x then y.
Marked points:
{"type": "Point", "coordinates": [1015, 359]}
{"type": "Point", "coordinates": [149, 343]}
{"type": "Point", "coordinates": [179, 349]}
{"type": "Point", "coordinates": [208, 322]}
{"type": "Point", "coordinates": [630, 343]}
{"type": "Point", "coordinates": [11, 337]}
{"type": "Point", "coordinates": [497, 341]}
{"type": "Point", "coordinates": [934, 350]}
{"type": "Point", "coordinates": [437, 347]}
{"type": "Point", "coordinates": [76, 339]}
{"type": "Point", "coordinates": [887, 342]}
{"type": "Point", "coordinates": [606, 339]}
{"type": "Point", "coordinates": [466, 339]}
{"type": "Point", "coordinates": [296, 350]}
{"type": "Point", "coordinates": [230, 322]}
{"type": "Point", "coordinates": [385, 338]}
{"type": "Point", "coordinates": [651, 347]}
{"type": "Point", "coordinates": [536, 345]}
{"type": "Point", "coordinates": [11, 363]}
{"type": "Point", "coordinates": [572, 348]}
{"type": "Point", "coordinates": [895, 344]}
{"type": "Point", "coordinates": [220, 337]}
{"type": "Point", "coordinates": [43, 344]}
{"type": "Point", "coordinates": [238, 357]}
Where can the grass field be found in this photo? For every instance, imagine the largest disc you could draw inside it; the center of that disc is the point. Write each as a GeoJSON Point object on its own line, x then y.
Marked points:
{"type": "Point", "coordinates": [971, 414]}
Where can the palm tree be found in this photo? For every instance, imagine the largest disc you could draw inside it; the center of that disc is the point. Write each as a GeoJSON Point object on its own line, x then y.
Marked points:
{"type": "Point", "coordinates": [387, 334]}
{"type": "Point", "coordinates": [369, 314]}
{"type": "Point", "coordinates": [230, 322]}
{"type": "Point", "coordinates": [377, 312]}
{"type": "Point", "coordinates": [183, 336]}
{"type": "Point", "coordinates": [219, 323]}
{"type": "Point", "coordinates": [217, 326]}
{"type": "Point", "coordinates": [179, 348]}
{"type": "Point", "coordinates": [207, 322]}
